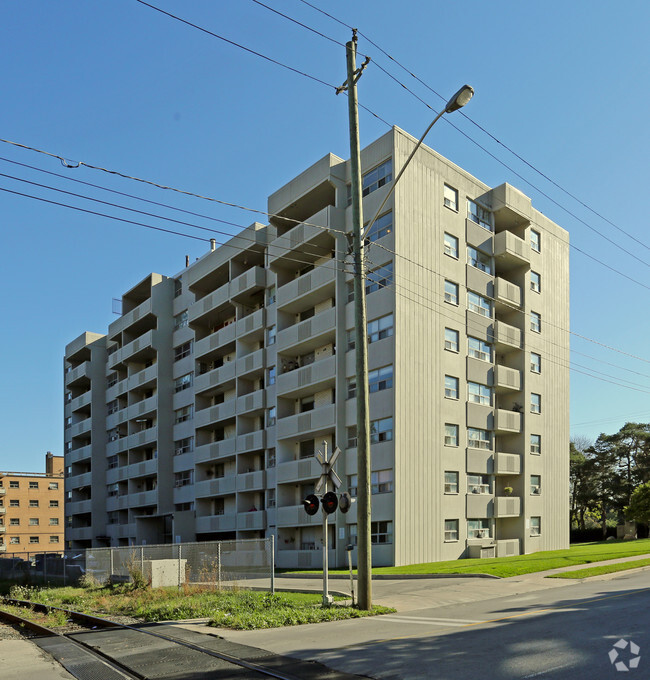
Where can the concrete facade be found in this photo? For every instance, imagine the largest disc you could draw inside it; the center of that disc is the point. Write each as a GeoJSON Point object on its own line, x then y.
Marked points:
{"type": "Point", "coordinates": [31, 509]}
{"type": "Point", "coordinates": [197, 415]}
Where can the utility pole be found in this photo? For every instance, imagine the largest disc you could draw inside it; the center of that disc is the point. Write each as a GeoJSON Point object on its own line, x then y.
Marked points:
{"type": "Point", "coordinates": [364, 557]}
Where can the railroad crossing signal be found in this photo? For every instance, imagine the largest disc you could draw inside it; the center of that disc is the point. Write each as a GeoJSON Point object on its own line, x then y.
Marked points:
{"type": "Point", "coordinates": [345, 501]}
{"type": "Point", "coordinates": [330, 502]}
{"type": "Point", "coordinates": [328, 473]}
{"type": "Point", "coordinates": [311, 504]}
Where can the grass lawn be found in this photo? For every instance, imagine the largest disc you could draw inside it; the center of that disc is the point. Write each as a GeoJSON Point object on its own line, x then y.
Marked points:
{"type": "Point", "coordinates": [604, 569]}
{"type": "Point", "coordinates": [581, 553]}
{"type": "Point", "coordinates": [241, 610]}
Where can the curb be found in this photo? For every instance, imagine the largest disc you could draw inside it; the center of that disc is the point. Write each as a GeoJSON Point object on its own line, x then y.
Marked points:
{"type": "Point", "coordinates": [388, 577]}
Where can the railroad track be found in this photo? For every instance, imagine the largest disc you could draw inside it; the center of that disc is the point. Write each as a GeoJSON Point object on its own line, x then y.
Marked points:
{"type": "Point", "coordinates": [99, 649]}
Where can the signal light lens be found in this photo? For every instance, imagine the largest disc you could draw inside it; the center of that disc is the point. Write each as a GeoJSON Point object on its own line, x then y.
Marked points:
{"type": "Point", "coordinates": [311, 504]}
{"type": "Point", "coordinates": [330, 502]}
{"type": "Point", "coordinates": [345, 501]}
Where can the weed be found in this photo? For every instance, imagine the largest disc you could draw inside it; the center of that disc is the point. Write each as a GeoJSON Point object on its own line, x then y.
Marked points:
{"type": "Point", "coordinates": [23, 592]}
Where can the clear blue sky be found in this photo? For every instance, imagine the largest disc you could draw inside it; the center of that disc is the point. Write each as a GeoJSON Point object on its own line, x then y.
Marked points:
{"type": "Point", "coordinates": [119, 85]}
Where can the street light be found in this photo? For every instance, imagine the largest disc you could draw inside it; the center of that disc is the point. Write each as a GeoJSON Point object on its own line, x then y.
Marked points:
{"type": "Point", "coordinates": [456, 102]}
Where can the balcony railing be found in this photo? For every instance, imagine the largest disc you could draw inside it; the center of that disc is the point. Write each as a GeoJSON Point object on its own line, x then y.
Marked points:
{"type": "Point", "coordinates": [320, 419]}
{"type": "Point", "coordinates": [309, 332]}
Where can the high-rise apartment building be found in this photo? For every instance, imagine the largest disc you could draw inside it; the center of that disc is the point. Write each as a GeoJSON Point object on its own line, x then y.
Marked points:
{"type": "Point", "coordinates": [31, 509]}
{"type": "Point", "coordinates": [197, 415]}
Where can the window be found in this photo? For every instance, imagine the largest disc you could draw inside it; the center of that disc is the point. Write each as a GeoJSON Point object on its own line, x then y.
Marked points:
{"type": "Point", "coordinates": [535, 526]}
{"type": "Point", "coordinates": [535, 240]}
{"type": "Point", "coordinates": [306, 448]}
{"type": "Point", "coordinates": [33, 503]}
{"type": "Point", "coordinates": [54, 521]}
{"type": "Point", "coordinates": [270, 416]}
{"type": "Point", "coordinates": [112, 489]}
{"type": "Point", "coordinates": [377, 178]}
{"type": "Point", "coordinates": [451, 387]}
{"type": "Point", "coordinates": [112, 407]}
{"type": "Point", "coordinates": [535, 282]}
{"type": "Point", "coordinates": [478, 528]}
{"type": "Point", "coordinates": [381, 430]}
{"type": "Point", "coordinates": [451, 482]}
{"type": "Point", "coordinates": [111, 462]}
{"type": "Point", "coordinates": [379, 278]}
{"type": "Point", "coordinates": [478, 439]}
{"type": "Point", "coordinates": [479, 260]}
{"type": "Point", "coordinates": [54, 539]}
{"type": "Point", "coordinates": [351, 437]}
{"type": "Point", "coordinates": [14, 522]}
{"type": "Point", "coordinates": [479, 349]}
{"type": "Point", "coordinates": [382, 227]}
{"type": "Point", "coordinates": [270, 336]}
{"type": "Point", "coordinates": [270, 498]}
{"type": "Point", "coordinates": [451, 340]}
{"type": "Point", "coordinates": [451, 530]}
{"type": "Point", "coordinates": [536, 444]}
{"type": "Point", "coordinates": [33, 485]}
{"type": "Point", "coordinates": [479, 215]}
{"type": "Point", "coordinates": [112, 379]}
{"type": "Point", "coordinates": [535, 403]}
{"type": "Point", "coordinates": [185, 445]}
{"type": "Point", "coordinates": [535, 362]}
{"type": "Point", "coordinates": [479, 394]}
{"type": "Point", "coordinates": [450, 196]}
{"type": "Point", "coordinates": [181, 320]}
{"type": "Point", "coordinates": [270, 458]}
{"type": "Point", "coordinates": [451, 245]}
{"type": "Point", "coordinates": [381, 481]}
{"type": "Point", "coordinates": [54, 504]}
{"type": "Point", "coordinates": [380, 379]}
{"type": "Point", "coordinates": [535, 485]}
{"type": "Point", "coordinates": [14, 540]}
{"type": "Point", "coordinates": [14, 485]}
{"type": "Point", "coordinates": [536, 322]}
{"type": "Point", "coordinates": [33, 521]}
{"type": "Point", "coordinates": [477, 303]}
{"type": "Point", "coordinates": [451, 434]}
{"type": "Point", "coordinates": [381, 532]}
{"type": "Point", "coordinates": [270, 376]}
{"type": "Point", "coordinates": [478, 484]}
{"type": "Point", "coordinates": [270, 295]}
{"type": "Point", "coordinates": [14, 503]}
{"type": "Point", "coordinates": [33, 539]}
{"type": "Point", "coordinates": [380, 328]}
{"type": "Point", "coordinates": [183, 350]}
{"type": "Point", "coordinates": [183, 414]}
{"type": "Point", "coordinates": [183, 383]}
{"type": "Point", "coordinates": [451, 292]}
{"type": "Point", "coordinates": [185, 478]}
{"type": "Point", "coordinates": [178, 287]}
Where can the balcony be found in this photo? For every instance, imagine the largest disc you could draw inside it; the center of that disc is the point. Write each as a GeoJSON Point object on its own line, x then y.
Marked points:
{"type": "Point", "coordinates": [507, 506]}
{"type": "Point", "coordinates": [506, 378]}
{"type": "Point", "coordinates": [132, 350]}
{"type": "Point", "coordinates": [508, 547]}
{"type": "Point", "coordinates": [83, 426]}
{"type": "Point", "coordinates": [251, 481]}
{"type": "Point", "coordinates": [253, 520]}
{"type": "Point", "coordinates": [216, 487]}
{"type": "Point", "coordinates": [302, 559]}
{"type": "Point", "coordinates": [251, 441]}
{"type": "Point", "coordinates": [215, 451]}
{"type": "Point", "coordinates": [79, 534]}
{"type": "Point", "coordinates": [313, 422]}
{"type": "Point", "coordinates": [149, 405]}
{"type": "Point", "coordinates": [216, 523]}
{"type": "Point", "coordinates": [208, 304]}
{"type": "Point", "coordinates": [78, 375]}
{"type": "Point", "coordinates": [215, 377]}
{"type": "Point", "coordinates": [143, 498]}
{"type": "Point", "coordinates": [142, 438]}
{"type": "Point", "coordinates": [480, 505]}
{"type": "Point", "coordinates": [128, 319]}
{"type": "Point", "coordinates": [295, 515]}
{"type": "Point", "coordinates": [79, 481]}
{"type": "Point", "coordinates": [297, 470]}
{"type": "Point", "coordinates": [249, 282]}
{"type": "Point", "coordinates": [308, 288]}
{"type": "Point", "coordinates": [506, 338]}
{"type": "Point", "coordinates": [510, 251]}
{"type": "Point", "coordinates": [144, 469]}
{"type": "Point", "coordinates": [78, 507]}
{"type": "Point", "coordinates": [506, 294]}
{"type": "Point", "coordinates": [307, 380]}
{"type": "Point", "coordinates": [512, 208]}
{"type": "Point", "coordinates": [507, 421]}
{"type": "Point", "coordinates": [215, 414]}
{"type": "Point", "coordinates": [250, 324]}
{"type": "Point", "coordinates": [215, 340]}
{"type": "Point", "coordinates": [507, 464]}
{"type": "Point", "coordinates": [80, 402]}
{"type": "Point", "coordinates": [250, 403]}
{"type": "Point", "coordinates": [250, 362]}
{"type": "Point", "coordinates": [310, 334]}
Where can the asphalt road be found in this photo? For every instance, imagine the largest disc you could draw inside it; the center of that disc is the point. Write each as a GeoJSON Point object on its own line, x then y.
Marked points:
{"type": "Point", "coordinates": [564, 631]}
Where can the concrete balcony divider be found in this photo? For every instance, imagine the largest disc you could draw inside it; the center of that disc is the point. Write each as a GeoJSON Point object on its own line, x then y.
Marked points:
{"type": "Point", "coordinates": [255, 519]}
{"type": "Point", "coordinates": [130, 318]}
{"type": "Point", "coordinates": [321, 277]}
{"type": "Point", "coordinates": [321, 324]}
{"type": "Point", "coordinates": [251, 481]}
{"type": "Point", "coordinates": [215, 451]}
{"type": "Point", "coordinates": [507, 464]}
{"type": "Point", "coordinates": [213, 523]}
{"type": "Point", "coordinates": [507, 506]}
{"type": "Point", "coordinates": [507, 421]}
{"type": "Point", "coordinates": [252, 441]}
{"type": "Point", "coordinates": [217, 376]}
{"type": "Point", "coordinates": [220, 486]}
{"type": "Point", "coordinates": [214, 414]}
{"type": "Point", "coordinates": [316, 376]}
{"type": "Point", "coordinates": [297, 470]}
{"type": "Point", "coordinates": [318, 420]}
{"type": "Point", "coordinates": [507, 378]}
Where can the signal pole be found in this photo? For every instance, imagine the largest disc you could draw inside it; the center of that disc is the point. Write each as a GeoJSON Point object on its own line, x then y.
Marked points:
{"type": "Point", "coordinates": [364, 557]}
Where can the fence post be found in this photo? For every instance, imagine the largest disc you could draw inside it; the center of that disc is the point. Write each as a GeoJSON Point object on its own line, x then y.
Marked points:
{"type": "Point", "coordinates": [142, 560]}
{"type": "Point", "coordinates": [179, 566]}
{"type": "Point", "coordinates": [111, 558]}
{"type": "Point", "coordinates": [219, 565]}
{"type": "Point", "coordinates": [273, 563]}
{"type": "Point", "coordinates": [45, 569]}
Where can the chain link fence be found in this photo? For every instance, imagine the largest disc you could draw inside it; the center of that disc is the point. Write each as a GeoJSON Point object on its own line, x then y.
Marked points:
{"type": "Point", "coordinates": [216, 564]}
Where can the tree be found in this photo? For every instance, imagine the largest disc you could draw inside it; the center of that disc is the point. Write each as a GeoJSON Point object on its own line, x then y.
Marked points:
{"type": "Point", "coordinates": [639, 508]}
{"type": "Point", "coordinates": [580, 486]}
